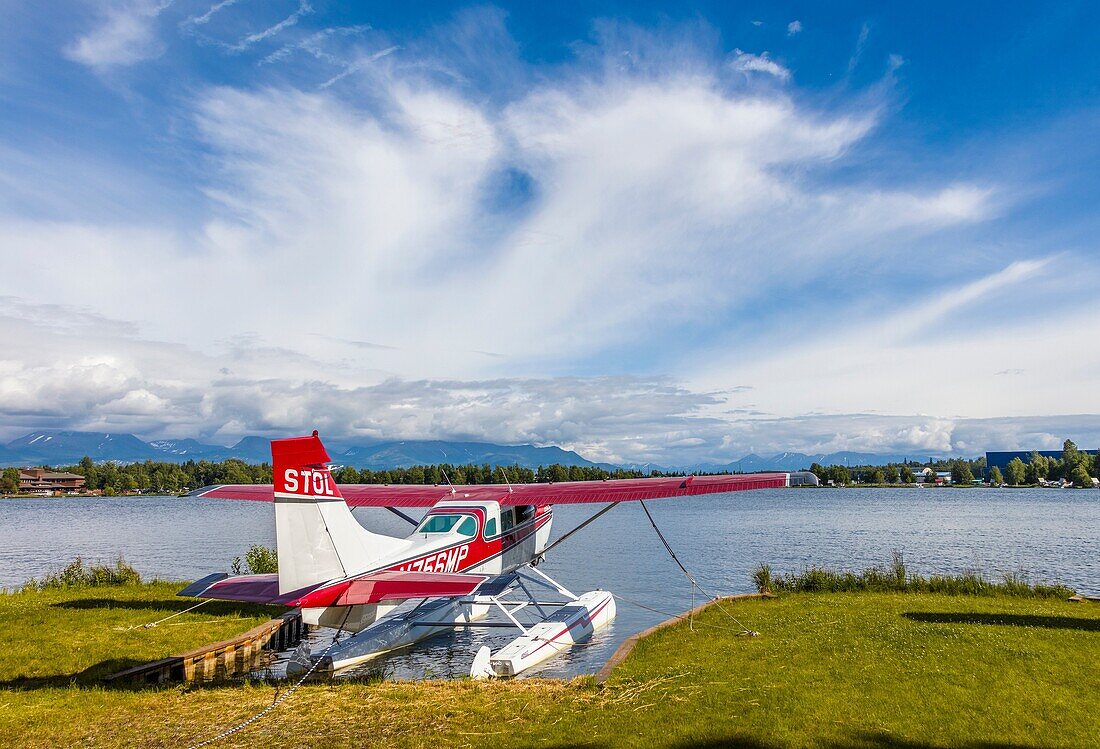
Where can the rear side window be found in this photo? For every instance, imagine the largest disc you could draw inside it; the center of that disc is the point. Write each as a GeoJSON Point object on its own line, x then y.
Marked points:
{"type": "Point", "coordinates": [490, 527]}
{"type": "Point", "coordinates": [468, 527]}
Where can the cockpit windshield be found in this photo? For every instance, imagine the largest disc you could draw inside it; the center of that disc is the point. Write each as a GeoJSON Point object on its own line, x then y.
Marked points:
{"type": "Point", "coordinates": [446, 523]}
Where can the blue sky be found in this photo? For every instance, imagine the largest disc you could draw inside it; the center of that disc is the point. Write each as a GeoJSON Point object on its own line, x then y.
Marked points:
{"type": "Point", "coordinates": [649, 232]}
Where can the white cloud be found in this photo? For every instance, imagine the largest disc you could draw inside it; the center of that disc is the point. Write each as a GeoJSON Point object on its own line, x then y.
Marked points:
{"type": "Point", "coordinates": [356, 65]}
{"type": "Point", "coordinates": [67, 368]}
{"type": "Point", "coordinates": [794, 27]}
{"type": "Point", "coordinates": [944, 354]}
{"type": "Point", "coordinates": [746, 62]}
{"type": "Point", "coordinates": [314, 44]}
{"type": "Point", "coordinates": [205, 16]}
{"type": "Point", "coordinates": [304, 9]}
{"type": "Point", "coordinates": [368, 265]}
{"type": "Point", "coordinates": [861, 44]}
{"type": "Point", "coordinates": [126, 34]}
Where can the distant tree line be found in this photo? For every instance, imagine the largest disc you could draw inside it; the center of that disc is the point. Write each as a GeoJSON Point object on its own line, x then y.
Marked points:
{"type": "Point", "coordinates": [962, 472]}
{"type": "Point", "coordinates": [486, 474]}
{"type": "Point", "coordinates": [1074, 466]}
{"type": "Point", "coordinates": [167, 478]}
{"type": "Point", "coordinates": [113, 478]}
{"type": "Point", "coordinates": [172, 478]}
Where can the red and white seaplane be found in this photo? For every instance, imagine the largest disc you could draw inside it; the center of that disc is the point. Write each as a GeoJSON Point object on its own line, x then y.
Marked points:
{"type": "Point", "coordinates": [477, 548]}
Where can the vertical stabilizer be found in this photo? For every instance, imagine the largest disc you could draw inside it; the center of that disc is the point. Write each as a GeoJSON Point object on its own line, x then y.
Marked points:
{"type": "Point", "coordinates": [318, 538]}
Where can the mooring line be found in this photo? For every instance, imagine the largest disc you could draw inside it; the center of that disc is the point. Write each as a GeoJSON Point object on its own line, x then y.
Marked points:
{"type": "Point", "coordinates": [150, 625]}
{"type": "Point", "coordinates": [743, 631]}
{"type": "Point", "coordinates": [695, 583]}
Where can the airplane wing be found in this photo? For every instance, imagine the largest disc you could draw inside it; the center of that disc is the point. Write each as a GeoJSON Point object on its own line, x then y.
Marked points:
{"type": "Point", "coordinates": [373, 587]}
{"type": "Point", "coordinates": [565, 492]}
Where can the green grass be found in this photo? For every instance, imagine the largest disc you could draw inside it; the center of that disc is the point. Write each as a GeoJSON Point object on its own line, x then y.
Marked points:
{"type": "Point", "coordinates": [827, 670]}
{"type": "Point", "coordinates": [77, 635]}
{"type": "Point", "coordinates": [894, 578]}
{"type": "Point", "coordinates": [884, 669]}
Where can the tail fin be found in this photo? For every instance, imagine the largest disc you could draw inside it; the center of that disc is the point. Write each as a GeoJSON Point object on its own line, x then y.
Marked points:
{"type": "Point", "coordinates": [318, 538]}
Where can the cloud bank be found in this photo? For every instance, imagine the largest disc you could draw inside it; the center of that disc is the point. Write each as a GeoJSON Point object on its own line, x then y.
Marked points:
{"type": "Point", "coordinates": [124, 34]}
{"type": "Point", "coordinates": [650, 252]}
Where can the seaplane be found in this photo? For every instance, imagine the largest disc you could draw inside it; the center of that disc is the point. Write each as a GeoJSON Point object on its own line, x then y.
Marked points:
{"type": "Point", "coordinates": [476, 550]}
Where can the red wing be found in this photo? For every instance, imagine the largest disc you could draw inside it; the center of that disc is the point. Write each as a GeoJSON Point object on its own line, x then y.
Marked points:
{"type": "Point", "coordinates": [258, 492]}
{"type": "Point", "coordinates": [566, 492]}
{"type": "Point", "coordinates": [633, 490]}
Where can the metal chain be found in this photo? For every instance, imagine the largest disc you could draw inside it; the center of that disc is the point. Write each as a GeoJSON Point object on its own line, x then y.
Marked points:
{"type": "Point", "coordinates": [282, 697]}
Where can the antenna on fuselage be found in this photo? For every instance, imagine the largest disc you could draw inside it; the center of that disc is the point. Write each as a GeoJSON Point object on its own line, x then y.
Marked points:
{"type": "Point", "coordinates": [506, 481]}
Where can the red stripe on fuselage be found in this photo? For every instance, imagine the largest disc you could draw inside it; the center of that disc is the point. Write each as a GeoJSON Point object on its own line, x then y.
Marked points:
{"type": "Point", "coordinates": [480, 551]}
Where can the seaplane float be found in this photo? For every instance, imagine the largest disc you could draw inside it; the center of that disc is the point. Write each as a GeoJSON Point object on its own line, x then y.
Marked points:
{"type": "Point", "coordinates": [476, 550]}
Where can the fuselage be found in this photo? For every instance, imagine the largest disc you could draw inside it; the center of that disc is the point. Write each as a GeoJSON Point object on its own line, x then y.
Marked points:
{"type": "Point", "coordinates": [476, 537]}
{"type": "Point", "coordinates": [455, 536]}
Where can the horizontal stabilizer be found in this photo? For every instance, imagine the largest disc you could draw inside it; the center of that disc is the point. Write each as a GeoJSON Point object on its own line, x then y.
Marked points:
{"type": "Point", "coordinates": [245, 588]}
{"type": "Point", "coordinates": [374, 587]}
{"type": "Point", "coordinates": [389, 586]}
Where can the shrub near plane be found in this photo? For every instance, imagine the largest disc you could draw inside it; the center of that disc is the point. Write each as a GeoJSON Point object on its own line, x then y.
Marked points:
{"type": "Point", "coordinates": [476, 549]}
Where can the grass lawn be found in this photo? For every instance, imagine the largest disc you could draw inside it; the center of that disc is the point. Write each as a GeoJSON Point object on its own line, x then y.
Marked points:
{"type": "Point", "coordinates": [62, 636]}
{"type": "Point", "coordinates": [828, 670]}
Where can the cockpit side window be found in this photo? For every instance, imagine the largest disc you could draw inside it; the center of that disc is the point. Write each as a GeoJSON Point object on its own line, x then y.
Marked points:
{"type": "Point", "coordinates": [490, 527]}
{"type": "Point", "coordinates": [438, 523]}
{"type": "Point", "coordinates": [468, 527]}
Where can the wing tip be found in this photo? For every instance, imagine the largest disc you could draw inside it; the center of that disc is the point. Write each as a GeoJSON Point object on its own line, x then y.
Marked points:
{"type": "Point", "coordinates": [202, 490]}
{"type": "Point", "coordinates": [200, 586]}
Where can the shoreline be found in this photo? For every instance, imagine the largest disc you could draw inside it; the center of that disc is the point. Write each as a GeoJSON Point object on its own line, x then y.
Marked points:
{"type": "Point", "coordinates": [129, 495]}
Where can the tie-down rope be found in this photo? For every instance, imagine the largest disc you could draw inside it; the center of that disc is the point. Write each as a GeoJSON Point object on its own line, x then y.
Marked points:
{"type": "Point", "coordinates": [694, 583]}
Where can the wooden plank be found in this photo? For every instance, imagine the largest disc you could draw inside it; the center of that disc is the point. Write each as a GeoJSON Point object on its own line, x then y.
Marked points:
{"type": "Point", "coordinates": [159, 671]}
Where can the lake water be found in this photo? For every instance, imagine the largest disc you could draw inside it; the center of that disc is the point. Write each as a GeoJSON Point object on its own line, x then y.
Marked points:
{"type": "Point", "coordinates": [1047, 535]}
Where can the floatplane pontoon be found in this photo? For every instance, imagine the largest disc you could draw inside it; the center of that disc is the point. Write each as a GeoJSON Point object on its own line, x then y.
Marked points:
{"type": "Point", "coordinates": [475, 551]}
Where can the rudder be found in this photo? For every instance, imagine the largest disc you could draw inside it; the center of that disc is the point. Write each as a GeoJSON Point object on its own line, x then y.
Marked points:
{"type": "Point", "coordinates": [317, 537]}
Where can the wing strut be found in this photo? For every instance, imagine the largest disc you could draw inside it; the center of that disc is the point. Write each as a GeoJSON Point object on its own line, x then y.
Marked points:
{"type": "Point", "coordinates": [570, 533]}
{"type": "Point", "coordinates": [403, 516]}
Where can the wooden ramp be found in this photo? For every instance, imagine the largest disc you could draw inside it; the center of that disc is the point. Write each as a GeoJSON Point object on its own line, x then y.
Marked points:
{"type": "Point", "coordinates": [221, 660]}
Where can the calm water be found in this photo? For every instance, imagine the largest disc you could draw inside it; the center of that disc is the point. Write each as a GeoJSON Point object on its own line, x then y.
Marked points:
{"type": "Point", "coordinates": [1048, 535]}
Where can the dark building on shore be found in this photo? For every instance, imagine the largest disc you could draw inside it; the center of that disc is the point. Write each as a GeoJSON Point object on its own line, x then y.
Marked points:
{"type": "Point", "coordinates": [43, 481]}
{"type": "Point", "coordinates": [1001, 459]}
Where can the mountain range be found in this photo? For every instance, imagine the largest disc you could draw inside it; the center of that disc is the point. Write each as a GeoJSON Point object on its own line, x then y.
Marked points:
{"type": "Point", "coordinates": [801, 461]}
{"type": "Point", "coordinates": [66, 448]}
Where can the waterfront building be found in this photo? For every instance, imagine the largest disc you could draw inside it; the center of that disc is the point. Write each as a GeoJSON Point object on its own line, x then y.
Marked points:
{"type": "Point", "coordinates": [926, 475]}
{"type": "Point", "coordinates": [41, 481]}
